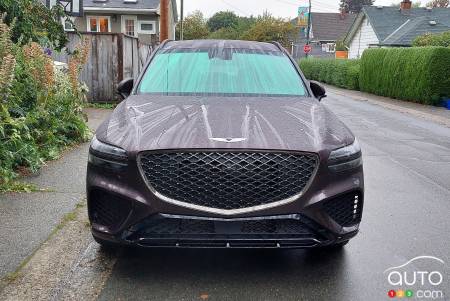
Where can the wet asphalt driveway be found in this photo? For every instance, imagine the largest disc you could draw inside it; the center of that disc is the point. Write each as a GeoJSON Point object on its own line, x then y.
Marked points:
{"type": "Point", "coordinates": [407, 206]}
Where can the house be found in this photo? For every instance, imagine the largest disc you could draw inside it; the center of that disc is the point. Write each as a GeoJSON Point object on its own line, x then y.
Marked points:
{"type": "Point", "coordinates": [378, 26]}
{"type": "Point", "coordinates": [138, 18]}
{"type": "Point", "coordinates": [326, 29]}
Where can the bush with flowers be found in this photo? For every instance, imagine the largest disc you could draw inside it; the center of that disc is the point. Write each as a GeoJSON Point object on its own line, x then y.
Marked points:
{"type": "Point", "coordinates": [40, 106]}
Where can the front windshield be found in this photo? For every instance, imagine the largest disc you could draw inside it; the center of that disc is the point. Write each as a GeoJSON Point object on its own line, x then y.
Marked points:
{"type": "Point", "coordinates": [228, 72]}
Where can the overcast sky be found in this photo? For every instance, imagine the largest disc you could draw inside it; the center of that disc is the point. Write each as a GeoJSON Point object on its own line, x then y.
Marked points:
{"type": "Point", "coordinates": [280, 8]}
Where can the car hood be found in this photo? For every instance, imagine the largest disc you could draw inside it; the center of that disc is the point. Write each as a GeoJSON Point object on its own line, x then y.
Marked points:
{"type": "Point", "coordinates": [148, 122]}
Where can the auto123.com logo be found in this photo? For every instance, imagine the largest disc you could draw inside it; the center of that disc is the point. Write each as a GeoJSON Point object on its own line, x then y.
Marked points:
{"type": "Point", "coordinates": [419, 278]}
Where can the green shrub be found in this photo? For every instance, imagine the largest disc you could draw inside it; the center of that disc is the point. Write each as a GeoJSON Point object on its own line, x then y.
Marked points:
{"type": "Point", "coordinates": [34, 21]}
{"type": "Point", "coordinates": [429, 39]}
{"type": "Point", "coordinates": [340, 73]}
{"type": "Point", "coordinates": [420, 74]}
{"type": "Point", "coordinates": [40, 108]}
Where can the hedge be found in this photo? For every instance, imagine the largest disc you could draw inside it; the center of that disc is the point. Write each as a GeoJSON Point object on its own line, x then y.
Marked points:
{"type": "Point", "coordinates": [418, 74]}
{"type": "Point", "coordinates": [340, 73]}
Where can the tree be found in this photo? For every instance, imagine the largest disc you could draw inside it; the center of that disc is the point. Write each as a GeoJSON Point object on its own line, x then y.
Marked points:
{"type": "Point", "coordinates": [428, 39]}
{"type": "Point", "coordinates": [354, 6]}
{"type": "Point", "coordinates": [225, 33]}
{"type": "Point", "coordinates": [234, 32]}
{"type": "Point", "coordinates": [416, 4]}
{"type": "Point", "coordinates": [438, 3]}
{"type": "Point", "coordinates": [223, 19]}
{"type": "Point", "coordinates": [268, 28]}
{"type": "Point", "coordinates": [195, 27]}
{"type": "Point", "coordinates": [35, 22]}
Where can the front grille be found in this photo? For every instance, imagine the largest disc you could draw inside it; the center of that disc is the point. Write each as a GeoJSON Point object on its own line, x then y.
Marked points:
{"type": "Point", "coordinates": [108, 210]}
{"type": "Point", "coordinates": [228, 180]}
{"type": "Point", "coordinates": [346, 210]}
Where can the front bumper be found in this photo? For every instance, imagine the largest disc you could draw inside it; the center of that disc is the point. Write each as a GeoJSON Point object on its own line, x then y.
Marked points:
{"type": "Point", "coordinates": [168, 231]}
{"type": "Point", "coordinates": [123, 210]}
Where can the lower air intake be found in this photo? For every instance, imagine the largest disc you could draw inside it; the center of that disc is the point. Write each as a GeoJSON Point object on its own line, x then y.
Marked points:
{"type": "Point", "coordinates": [346, 210]}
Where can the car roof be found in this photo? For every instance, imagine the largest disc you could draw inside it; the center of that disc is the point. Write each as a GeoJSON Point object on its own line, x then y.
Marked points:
{"type": "Point", "coordinates": [224, 44]}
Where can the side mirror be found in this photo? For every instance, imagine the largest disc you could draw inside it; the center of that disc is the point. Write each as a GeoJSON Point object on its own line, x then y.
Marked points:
{"type": "Point", "coordinates": [318, 90]}
{"type": "Point", "coordinates": [125, 87]}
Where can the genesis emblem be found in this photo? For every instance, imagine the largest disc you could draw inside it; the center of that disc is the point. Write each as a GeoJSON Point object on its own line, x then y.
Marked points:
{"type": "Point", "coordinates": [228, 140]}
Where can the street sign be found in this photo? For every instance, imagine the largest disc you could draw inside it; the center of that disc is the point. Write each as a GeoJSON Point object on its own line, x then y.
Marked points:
{"type": "Point", "coordinates": [307, 49]}
{"type": "Point", "coordinates": [303, 15]}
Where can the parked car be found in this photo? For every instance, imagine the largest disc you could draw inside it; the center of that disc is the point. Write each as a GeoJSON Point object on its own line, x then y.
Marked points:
{"type": "Point", "coordinates": [224, 144]}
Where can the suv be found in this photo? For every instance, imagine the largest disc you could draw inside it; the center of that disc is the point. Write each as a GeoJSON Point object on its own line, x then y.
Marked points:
{"type": "Point", "coordinates": [224, 144]}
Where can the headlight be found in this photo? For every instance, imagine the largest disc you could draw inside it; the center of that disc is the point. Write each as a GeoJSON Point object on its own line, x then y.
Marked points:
{"type": "Point", "coordinates": [106, 155]}
{"type": "Point", "coordinates": [345, 158]}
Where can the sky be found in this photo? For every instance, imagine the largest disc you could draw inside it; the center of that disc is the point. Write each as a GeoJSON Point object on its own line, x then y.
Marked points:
{"type": "Point", "coordinates": [279, 8]}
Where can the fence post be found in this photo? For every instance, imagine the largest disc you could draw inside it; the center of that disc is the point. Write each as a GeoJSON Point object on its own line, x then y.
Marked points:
{"type": "Point", "coordinates": [120, 56]}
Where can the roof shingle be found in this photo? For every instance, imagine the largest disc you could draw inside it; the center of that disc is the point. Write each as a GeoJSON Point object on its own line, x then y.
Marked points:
{"type": "Point", "coordinates": [396, 27]}
{"type": "Point", "coordinates": [330, 26]}
{"type": "Point", "coordinates": [139, 4]}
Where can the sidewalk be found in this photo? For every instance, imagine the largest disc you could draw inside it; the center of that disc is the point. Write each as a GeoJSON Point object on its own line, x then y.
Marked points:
{"type": "Point", "coordinates": [435, 114]}
{"type": "Point", "coordinates": [28, 219]}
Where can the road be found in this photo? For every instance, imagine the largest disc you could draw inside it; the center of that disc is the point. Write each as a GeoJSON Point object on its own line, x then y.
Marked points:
{"type": "Point", "coordinates": [407, 206]}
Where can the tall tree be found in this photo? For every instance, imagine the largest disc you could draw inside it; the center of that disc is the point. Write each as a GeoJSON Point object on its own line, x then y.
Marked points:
{"type": "Point", "coordinates": [354, 6]}
{"type": "Point", "coordinates": [195, 27]}
{"type": "Point", "coordinates": [223, 19]}
{"type": "Point", "coordinates": [34, 21]}
{"type": "Point", "coordinates": [268, 28]}
{"type": "Point", "coordinates": [439, 3]}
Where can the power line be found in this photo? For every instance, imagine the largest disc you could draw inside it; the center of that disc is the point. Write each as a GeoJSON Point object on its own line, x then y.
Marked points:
{"type": "Point", "coordinates": [236, 8]}
{"type": "Point", "coordinates": [320, 5]}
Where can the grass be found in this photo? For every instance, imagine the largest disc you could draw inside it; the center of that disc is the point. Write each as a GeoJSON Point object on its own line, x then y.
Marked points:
{"type": "Point", "coordinates": [21, 187]}
{"type": "Point", "coordinates": [101, 105]}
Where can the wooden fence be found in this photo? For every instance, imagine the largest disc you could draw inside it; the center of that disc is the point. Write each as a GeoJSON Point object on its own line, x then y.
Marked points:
{"type": "Point", "coordinates": [112, 58]}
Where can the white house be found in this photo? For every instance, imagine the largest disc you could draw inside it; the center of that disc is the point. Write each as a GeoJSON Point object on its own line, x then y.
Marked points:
{"type": "Point", "coordinates": [379, 26]}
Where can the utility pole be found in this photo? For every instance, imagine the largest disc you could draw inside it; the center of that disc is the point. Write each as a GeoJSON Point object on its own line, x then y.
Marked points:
{"type": "Point", "coordinates": [182, 21]}
{"type": "Point", "coordinates": [164, 16]}
{"type": "Point", "coordinates": [309, 26]}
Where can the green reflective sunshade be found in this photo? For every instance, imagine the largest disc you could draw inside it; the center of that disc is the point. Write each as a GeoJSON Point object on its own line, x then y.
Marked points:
{"type": "Point", "coordinates": [237, 73]}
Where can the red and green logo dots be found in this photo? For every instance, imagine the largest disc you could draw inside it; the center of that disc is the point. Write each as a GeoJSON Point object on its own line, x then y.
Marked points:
{"type": "Point", "coordinates": [400, 294]}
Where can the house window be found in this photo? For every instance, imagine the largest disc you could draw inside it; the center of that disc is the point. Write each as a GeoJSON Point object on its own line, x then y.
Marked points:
{"type": "Point", "coordinates": [129, 24]}
{"type": "Point", "coordinates": [147, 27]}
{"type": "Point", "coordinates": [68, 23]}
{"type": "Point", "coordinates": [99, 24]}
{"type": "Point", "coordinates": [129, 27]}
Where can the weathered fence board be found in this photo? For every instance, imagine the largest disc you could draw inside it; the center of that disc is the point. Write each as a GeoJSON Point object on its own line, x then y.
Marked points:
{"type": "Point", "coordinates": [112, 58]}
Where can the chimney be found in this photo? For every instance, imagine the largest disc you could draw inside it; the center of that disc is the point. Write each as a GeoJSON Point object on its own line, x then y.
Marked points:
{"type": "Point", "coordinates": [405, 4]}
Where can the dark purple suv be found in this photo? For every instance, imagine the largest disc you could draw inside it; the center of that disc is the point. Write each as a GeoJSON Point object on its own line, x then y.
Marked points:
{"type": "Point", "coordinates": [224, 144]}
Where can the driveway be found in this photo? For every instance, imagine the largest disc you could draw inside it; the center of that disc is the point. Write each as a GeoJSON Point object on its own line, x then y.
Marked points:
{"type": "Point", "coordinates": [407, 205]}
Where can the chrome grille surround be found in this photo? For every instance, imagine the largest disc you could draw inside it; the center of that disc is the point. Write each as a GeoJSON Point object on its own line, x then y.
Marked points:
{"type": "Point", "coordinates": [228, 182]}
